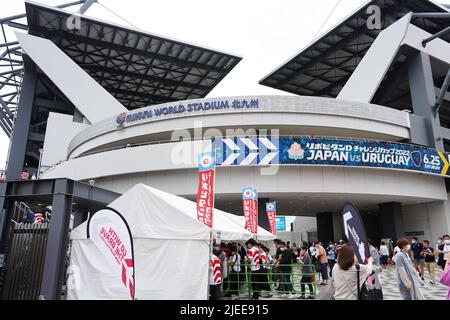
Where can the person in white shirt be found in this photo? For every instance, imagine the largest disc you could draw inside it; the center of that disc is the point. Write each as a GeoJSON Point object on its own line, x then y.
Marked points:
{"type": "Point", "coordinates": [345, 274]}
{"type": "Point", "coordinates": [384, 254]}
{"type": "Point", "coordinates": [234, 262]}
{"type": "Point", "coordinates": [396, 251]}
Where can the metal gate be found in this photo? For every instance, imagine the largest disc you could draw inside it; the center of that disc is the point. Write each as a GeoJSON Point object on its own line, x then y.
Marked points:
{"type": "Point", "coordinates": [24, 261]}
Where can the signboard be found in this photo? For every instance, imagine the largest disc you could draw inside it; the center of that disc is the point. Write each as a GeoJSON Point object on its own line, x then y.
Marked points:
{"type": "Point", "coordinates": [111, 234]}
{"type": "Point", "coordinates": [281, 223]}
{"type": "Point", "coordinates": [355, 232]}
{"type": "Point", "coordinates": [250, 208]}
{"type": "Point", "coordinates": [205, 192]}
{"type": "Point", "coordinates": [191, 107]}
{"type": "Point", "coordinates": [271, 209]}
{"type": "Point", "coordinates": [329, 152]}
{"type": "Point", "coordinates": [414, 233]}
{"type": "Point", "coordinates": [323, 151]}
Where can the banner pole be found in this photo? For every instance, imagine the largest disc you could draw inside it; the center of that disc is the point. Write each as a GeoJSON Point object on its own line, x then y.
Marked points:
{"type": "Point", "coordinates": [212, 215]}
{"type": "Point", "coordinates": [210, 244]}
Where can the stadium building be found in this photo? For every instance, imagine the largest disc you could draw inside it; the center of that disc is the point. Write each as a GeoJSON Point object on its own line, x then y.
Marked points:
{"type": "Point", "coordinates": [102, 107]}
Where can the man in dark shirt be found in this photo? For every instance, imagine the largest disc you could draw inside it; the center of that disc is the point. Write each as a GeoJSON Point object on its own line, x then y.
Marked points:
{"type": "Point", "coordinates": [276, 276]}
{"type": "Point", "coordinates": [429, 255]}
{"type": "Point", "coordinates": [418, 259]}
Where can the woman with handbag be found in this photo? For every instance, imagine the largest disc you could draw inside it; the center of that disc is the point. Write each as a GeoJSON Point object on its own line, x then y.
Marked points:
{"type": "Point", "coordinates": [345, 279]}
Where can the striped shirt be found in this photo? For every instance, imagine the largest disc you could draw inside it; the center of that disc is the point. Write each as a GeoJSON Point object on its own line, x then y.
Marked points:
{"type": "Point", "coordinates": [263, 256]}
{"type": "Point", "coordinates": [39, 218]}
{"type": "Point", "coordinates": [215, 276]}
{"type": "Point", "coordinates": [253, 256]}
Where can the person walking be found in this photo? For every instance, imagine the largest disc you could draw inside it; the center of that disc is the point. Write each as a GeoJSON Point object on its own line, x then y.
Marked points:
{"type": "Point", "coordinates": [307, 274]}
{"type": "Point", "coordinates": [445, 276]}
{"type": "Point", "coordinates": [345, 274]}
{"type": "Point", "coordinates": [384, 254]}
{"type": "Point", "coordinates": [408, 279]}
{"type": "Point", "coordinates": [429, 255]}
{"type": "Point", "coordinates": [323, 263]}
{"type": "Point", "coordinates": [374, 278]}
{"type": "Point", "coordinates": [331, 257]}
{"type": "Point", "coordinates": [440, 250]}
{"type": "Point", "coordinates": [418, 259]}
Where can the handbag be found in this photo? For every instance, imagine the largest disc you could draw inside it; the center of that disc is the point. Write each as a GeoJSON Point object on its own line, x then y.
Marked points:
{"type": "Point", "coordinates": [364, 293]}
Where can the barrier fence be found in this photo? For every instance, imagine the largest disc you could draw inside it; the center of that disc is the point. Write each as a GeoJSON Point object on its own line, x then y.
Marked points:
{"type": "Point", "coordinates": [272, 281]}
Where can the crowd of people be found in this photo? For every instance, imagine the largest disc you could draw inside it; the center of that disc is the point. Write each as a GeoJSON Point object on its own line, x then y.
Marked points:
{"type": "Point", "coordinates": [233, 265]}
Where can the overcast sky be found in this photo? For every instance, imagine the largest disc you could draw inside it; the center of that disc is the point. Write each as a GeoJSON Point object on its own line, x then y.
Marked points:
{"type": "Point", "coordinates": [265, 33]}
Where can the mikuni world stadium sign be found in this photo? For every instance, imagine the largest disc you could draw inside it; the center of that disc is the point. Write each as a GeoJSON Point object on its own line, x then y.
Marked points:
{"type": "Point", "coordinates": [329, 152]}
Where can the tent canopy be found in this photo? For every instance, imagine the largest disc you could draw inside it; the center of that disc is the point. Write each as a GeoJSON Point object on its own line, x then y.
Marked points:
{"type": "Point", "coordinates": [155, 214]}
{"type": "Point", "coordinates": [170, 248]}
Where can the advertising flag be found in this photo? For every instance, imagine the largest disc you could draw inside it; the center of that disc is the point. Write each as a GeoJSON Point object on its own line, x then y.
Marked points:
{"type": "Point", "coordinates": [249, 208]}
{"type": "Point", "coordinates": [110, 232]}
{"type": "Point", "coordinates": [271, 209]}
{"type": "Point", "coordinates": [205, 192]}
{"type": "Point", "coordinates": [355, 232]}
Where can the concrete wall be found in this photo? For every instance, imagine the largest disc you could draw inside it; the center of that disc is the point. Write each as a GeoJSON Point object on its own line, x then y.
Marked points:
{"type": "Point", "coordinates": [432, 218]}
{"type": "Point", "coordinates": [304, 224]}
{"type": "Point", "coordinates": [60, 130]}
{"type": "Point", "coordinates": [292, 237]}
{"type": "Point", "coordinates": [300, 115]}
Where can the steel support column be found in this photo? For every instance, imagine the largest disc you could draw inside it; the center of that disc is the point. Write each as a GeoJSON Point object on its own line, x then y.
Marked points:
{"type": "Point", "coordinates": [19, 137]}
{"type": "Point", "coordinates": [58, 237]}
{"type": "Point", "coordinates": [263, 220]}
{"type": "Point", "coordinates": [3, 216]}
{"type": "Point", "coordinates": [424, 98]}
{"type": "Point", "coordinates": [325, 232]}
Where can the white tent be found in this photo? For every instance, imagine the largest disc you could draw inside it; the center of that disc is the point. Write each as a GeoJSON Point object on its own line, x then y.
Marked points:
{"type": "Point", "coordinates": [170, 248]}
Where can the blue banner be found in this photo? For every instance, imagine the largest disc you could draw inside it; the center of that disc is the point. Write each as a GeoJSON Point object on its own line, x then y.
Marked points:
{"type": "Point", "coordinates": [281, 223]}
{"type": "Point", "coordinates": [324, 151]}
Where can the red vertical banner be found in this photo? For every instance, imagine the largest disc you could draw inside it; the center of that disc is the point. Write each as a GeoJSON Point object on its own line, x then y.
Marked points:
{"type": "Point", "coordinates": [205, 191]}
{"type": "Point", "coordinates": [271, 209]}
{"type": "Point", "coordinates": [250, 208]}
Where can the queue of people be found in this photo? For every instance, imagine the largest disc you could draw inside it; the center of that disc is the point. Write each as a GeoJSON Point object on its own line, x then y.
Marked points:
{"type": "Point", "coordinates": [233, 265]}
{"type": "Point", "coordinates": [350, 280]}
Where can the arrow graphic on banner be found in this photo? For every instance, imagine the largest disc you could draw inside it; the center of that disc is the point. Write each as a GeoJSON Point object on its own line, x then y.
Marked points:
{"type": "Point", "coordinates": [445, 160]}
{"type": "Point", "coordinates": [347, 216]}
{"type": "Point", "coordinates": [234, 151]}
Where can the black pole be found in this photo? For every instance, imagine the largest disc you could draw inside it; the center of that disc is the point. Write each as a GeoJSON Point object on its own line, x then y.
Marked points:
{"type": "Point", "coordinates": [434, 36]}
{"type": "Point", "coordinates": [442, 93]}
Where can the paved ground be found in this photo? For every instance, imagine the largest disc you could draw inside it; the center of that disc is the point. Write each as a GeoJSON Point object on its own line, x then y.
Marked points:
{"type": "Point", "coordinates": [388, 279]}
